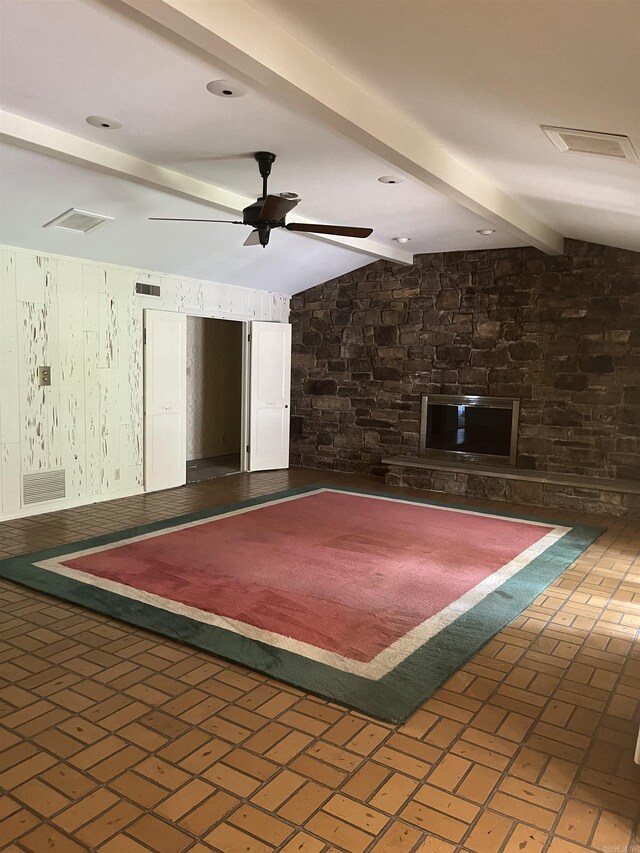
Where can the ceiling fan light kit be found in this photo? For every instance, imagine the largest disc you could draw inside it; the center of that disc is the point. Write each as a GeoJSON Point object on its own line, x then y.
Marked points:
{"type": "Point", "coordinates": [270, 211]}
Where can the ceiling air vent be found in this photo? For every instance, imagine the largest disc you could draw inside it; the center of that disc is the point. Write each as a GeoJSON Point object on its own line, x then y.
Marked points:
{"type": "Point", "coordinates": [591, 142]}
{"type": "Point", "coordinates": [144, 289]}
{"type": "Point", "coordinates": [78, 221]}
{"type": "Point", "coordinates": [40, 486]}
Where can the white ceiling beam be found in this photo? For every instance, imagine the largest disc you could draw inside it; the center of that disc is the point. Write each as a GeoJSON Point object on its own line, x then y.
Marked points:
{"type": "Point", "coordinates": [35, 136]}
{"type": "Point", "coordinates": [240, 35]}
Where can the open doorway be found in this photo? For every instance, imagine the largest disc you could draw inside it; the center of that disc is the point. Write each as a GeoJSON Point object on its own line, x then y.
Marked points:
{"type": "Point", "coordinates": [214, 434]}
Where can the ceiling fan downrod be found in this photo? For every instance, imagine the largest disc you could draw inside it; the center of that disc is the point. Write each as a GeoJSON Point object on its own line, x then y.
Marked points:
{"type": "Point", "coordinates": [265, 160]}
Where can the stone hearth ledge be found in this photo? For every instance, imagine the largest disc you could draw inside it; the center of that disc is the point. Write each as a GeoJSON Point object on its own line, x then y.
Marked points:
{"type": "Point", "coordinates": [519, 485]}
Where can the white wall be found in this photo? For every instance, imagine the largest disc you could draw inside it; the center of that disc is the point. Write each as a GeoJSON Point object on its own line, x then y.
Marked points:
{"type": "Point", "coordinates": [84, 320]}
{"type": "Point", "coordinates": [214, 387]}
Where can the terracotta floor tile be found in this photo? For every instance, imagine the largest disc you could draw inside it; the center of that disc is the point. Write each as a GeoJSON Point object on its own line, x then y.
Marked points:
{"type": "Point", "coordinates": [158, 835]}
{"type": "Point", "coordinates": [49, 839]}
{"type": "Point", "coordinates": [129, 742]}
{"type": "Point", "coordinates": [85, 809]}
{"type": "Point", "coordinates": [431, 844]}
{"type": "Point", "coordinates": [447, 803]}
{"type": "Point", "coordinates": [403, 763]}
{"type": "Point", "coordinates": [17, 824]}
{"type": "Point", "coordinates": [525, 839]}
{"type": "Point", "coordinates": [478, 784]}
{"type": "Point", "coordinates": [108, 823]}
{"type": "Point", "coordinates": [123, 844]}
{"type": "Point", "coordinates": [367, 779]}
{"type": "Point", "coordinates": [202, 758]}
{"type": "Point", "coordinates": [449, 772]}
{"type": "Point", "coordinates": [184, 800]}
{"type": "Point", "coordinates": [364, 817]}
{"type": "Point", "coordinates": [204, 817]}
{"type": "Point", "coordinates": [531, 793]}
{"type": "Point", "coordinates": [520, 810]}
{"type": "Point", "coordinates": [40, 797]}
{"type": "Point", "coordinates": [336, 831]}
{"type": "Point", "coordinates": [303, 843]}
{"type": "Point", "coordinates": [559, 775]}
{"type": "Point", "coordinates": [559, 845]}
{"type": "Point", "coordinates": [304, 802]}
{"type": "Point", "coordinates": [577, 821]}
{"type": "Point", "coordinates": [397, 839]}
{"type": "Point", "coordinates": [393, 794]}
{"type": "Point", "coordinates": [229, 839]}
{"type": "Point", "coordinates": [612, 831]}
{"type": "Point", "coordinates": [279, 789]}
{"type": "Point", "coordinates": [231, 780]}
{"type": "Point", "coordinates": [267, 828]}
{"type": "Point", "coordinates": [162, 773]}
{"type": "Point", "coordinates": [318, 770]}
{"type": "Point", "coordinates": [141, 791]}
{"type": "Point", "coordinates": [427, 819]}
{"type": "Point", "coordinates": [488, 833]}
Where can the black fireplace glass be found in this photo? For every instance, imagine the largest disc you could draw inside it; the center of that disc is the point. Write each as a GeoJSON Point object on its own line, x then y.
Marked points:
{"type": "Point", "coordinates": [482, 430]}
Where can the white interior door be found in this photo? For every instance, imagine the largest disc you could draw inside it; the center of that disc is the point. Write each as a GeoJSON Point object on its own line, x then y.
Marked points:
{"type": "Point", "coordinates": [165, 410]}
{"type": "Point", "coordinates": [269, 396]}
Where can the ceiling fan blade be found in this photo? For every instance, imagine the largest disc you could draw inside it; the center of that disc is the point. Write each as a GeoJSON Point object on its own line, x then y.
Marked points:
{"type": "Point", "coordinates": [253, 239]}
{"type": "Point", "coordinates": [338, 230]}
{"type": "Point", "coordinates": [178, 219]}
{"type": "Point", "coordinates": [276, 208]}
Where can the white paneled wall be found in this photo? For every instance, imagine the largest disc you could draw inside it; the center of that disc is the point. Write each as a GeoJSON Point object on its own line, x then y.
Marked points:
{"type": "Point", "coordinates": [84, 320]}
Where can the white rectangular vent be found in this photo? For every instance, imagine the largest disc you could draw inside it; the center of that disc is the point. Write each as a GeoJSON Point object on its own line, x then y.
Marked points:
{"type": "Point", "coordinates": [78, 221]}
{"type": "Point", "coordinates": [615, 145]}
{"type": "Point", "coordinates": [39, 486]}
{"type": "Point", "coordinates": [144, 289]}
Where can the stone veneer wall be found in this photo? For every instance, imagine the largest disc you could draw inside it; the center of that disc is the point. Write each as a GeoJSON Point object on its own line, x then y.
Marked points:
{"type": "Point", "coordinates": [560, 333]}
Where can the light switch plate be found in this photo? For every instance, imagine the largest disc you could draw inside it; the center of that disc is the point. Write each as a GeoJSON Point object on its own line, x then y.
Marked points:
{"type": "Point", "coordinates": [44, 376]}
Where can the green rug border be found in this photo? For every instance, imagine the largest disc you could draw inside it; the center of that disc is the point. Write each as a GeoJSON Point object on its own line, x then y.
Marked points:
{"type": "Point", "coordinates": [395, 696]}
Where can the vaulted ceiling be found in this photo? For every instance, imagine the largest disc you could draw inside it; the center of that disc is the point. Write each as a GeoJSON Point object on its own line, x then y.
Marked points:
{"type": "Point", "coordinates": [446, 95]}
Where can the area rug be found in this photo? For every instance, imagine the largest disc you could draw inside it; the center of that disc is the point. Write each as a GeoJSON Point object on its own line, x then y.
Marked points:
{"type": "Point", "coordinates": [370, 600]}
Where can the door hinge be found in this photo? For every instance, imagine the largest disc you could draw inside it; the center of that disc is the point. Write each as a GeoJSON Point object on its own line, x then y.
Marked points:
{"type": "Point", "coordinates": [249, 337]}
{"type": "Point", "coordinates": [144, 337]}
{"type": "Point", "coordinates": [248, 448]}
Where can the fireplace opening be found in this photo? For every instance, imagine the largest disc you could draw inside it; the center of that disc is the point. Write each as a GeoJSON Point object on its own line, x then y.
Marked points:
{"type": "Point", "coordinates": [472, 429]}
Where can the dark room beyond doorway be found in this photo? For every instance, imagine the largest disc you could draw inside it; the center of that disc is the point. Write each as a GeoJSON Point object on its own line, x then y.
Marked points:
{"type": "Point", "coordinates": [214, 398]}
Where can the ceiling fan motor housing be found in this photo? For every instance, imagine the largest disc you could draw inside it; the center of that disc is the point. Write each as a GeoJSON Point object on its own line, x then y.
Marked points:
{"type": "Point", "coordinates": [251, 214]}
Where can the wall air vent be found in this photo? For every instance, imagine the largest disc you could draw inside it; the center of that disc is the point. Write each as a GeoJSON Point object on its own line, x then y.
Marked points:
{"type": "Point", "coordinates": [615, 145]}
{"type": "Point", "coordinates": [39, 486]}
{"type": "Point", "coordinates": [78, 221]}
{"type": "Point", "coordinates": [143, 289]}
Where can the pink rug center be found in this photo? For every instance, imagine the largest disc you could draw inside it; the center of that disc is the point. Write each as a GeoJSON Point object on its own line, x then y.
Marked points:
{"type": "Point", "coordinates": [342, 572]}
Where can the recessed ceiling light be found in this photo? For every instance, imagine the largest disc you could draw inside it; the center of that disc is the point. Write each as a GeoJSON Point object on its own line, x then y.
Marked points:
{"type": "Point", "coordinates": [567, 139]}
{"type": "Point", "coordinates": [290, 196]}
{"type": "Point", "coordinates": [226, 89]}
{"type": "Point", "coordinates": [390, 179]}
{"type": "Point", "coordinates": [402, 239]}
{"type": "Point", "coordinates": [104, 123]}
{"type": "Point", "coordinates": [486, 231]}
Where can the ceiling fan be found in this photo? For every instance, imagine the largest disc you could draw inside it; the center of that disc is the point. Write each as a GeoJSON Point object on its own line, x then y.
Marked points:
{"type": "Point", "coordinates": [269, 212]}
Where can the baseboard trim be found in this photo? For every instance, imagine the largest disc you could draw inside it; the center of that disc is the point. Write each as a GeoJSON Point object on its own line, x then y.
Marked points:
{"type": "Point", "coordinates": [56, 506]}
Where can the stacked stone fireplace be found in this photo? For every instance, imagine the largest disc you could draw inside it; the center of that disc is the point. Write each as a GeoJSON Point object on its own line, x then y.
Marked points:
{"type": "Point", "coordinates": [559, 334]}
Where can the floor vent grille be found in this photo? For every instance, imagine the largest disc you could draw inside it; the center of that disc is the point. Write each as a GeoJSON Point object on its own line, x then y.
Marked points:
{"type": "Point", "coordinates": [40, 486]}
